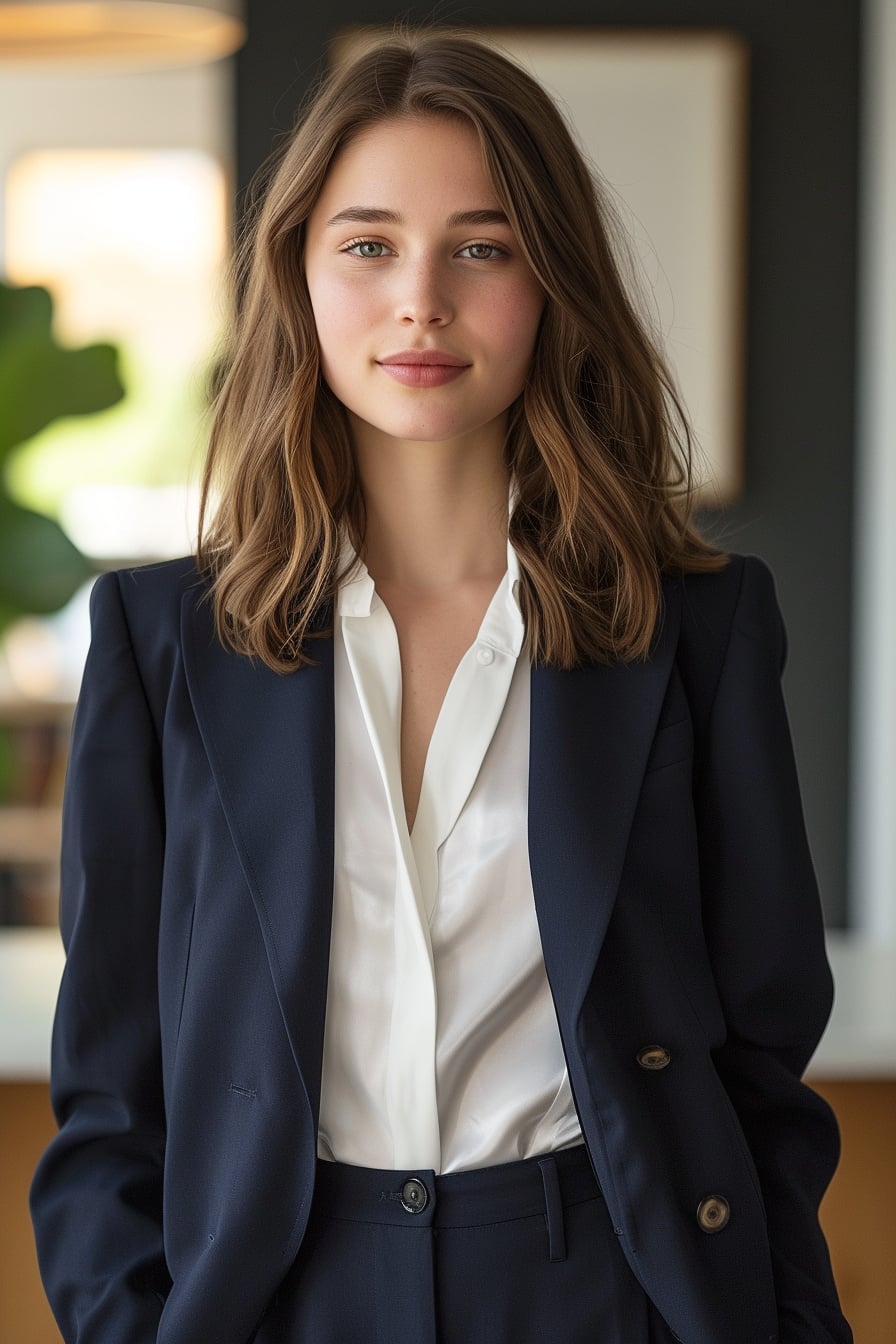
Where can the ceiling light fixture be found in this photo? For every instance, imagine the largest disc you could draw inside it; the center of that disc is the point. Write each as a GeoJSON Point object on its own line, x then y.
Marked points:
{"type": "Point", "coordinates": [120, 32]}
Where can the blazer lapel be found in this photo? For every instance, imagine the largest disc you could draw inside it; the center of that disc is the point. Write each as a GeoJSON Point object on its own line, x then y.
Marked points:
{"type": "Point", "coordinates": [269, 738]}
{"type": "Point", "coordinates": [591, 733]}
{"type": "Point", "coordinates": [270, 742]}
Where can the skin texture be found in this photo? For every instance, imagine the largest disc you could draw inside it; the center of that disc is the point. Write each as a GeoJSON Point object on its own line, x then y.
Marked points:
{"type": "Point", "coordinates": [422, 283]}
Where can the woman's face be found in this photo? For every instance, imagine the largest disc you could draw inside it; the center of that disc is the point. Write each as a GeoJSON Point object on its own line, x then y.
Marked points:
{"type": "Point", "coordinates": [426, 309]}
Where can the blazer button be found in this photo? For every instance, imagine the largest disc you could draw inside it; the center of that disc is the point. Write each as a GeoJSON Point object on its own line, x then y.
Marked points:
{"type": "Point", "coordinates": [414, 1196]}
{"type": "Point", "coordinates": [713, 1213]}
{"type": "Point", "coordinates": [654, 1057]}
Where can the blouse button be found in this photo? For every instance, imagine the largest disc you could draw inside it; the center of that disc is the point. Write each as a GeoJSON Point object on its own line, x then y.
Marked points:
{"type": "Point", "coordinates": [713, 1213]}
{"type": "Point", "coordinates": [654, 1057]}
{"type": "Point", "coordinates": [485, 655]}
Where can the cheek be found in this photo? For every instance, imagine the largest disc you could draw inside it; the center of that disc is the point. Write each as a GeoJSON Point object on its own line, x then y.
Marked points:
{"type": "Point", "coordinates": [338, 316]}
{"type": "Point", "coordinates": [515, 325]}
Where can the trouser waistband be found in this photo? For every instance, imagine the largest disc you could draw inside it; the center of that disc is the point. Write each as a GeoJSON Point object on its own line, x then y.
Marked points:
{"type": "Point", "coordinates": [420, 1198]}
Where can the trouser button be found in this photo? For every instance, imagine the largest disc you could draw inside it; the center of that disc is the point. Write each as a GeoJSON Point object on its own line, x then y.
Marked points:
{"type": "Point", "coordinates": [414, 1196]}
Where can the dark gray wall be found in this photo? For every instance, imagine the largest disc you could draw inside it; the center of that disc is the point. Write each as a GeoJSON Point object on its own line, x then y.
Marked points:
{"type": "Point", "coordinates": [803, 151]}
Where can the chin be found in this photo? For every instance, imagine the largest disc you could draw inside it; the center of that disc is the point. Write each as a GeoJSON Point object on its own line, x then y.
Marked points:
{"type": "Point", "coordinates": [417, 433]}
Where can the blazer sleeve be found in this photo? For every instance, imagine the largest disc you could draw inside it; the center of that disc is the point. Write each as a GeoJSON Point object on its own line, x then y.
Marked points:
{"type": "Point", "coordinates": [96, 1197]}
{"type": "Point", "coordinates": [766, 942]}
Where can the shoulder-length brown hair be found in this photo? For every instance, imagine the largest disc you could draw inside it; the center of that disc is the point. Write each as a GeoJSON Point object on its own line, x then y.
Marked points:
{"type": "Point", "coordinates": [598, 443]}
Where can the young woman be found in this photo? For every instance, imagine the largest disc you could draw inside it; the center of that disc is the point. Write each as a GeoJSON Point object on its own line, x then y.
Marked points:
{"type": "Point", "coordinates": [444, 949]}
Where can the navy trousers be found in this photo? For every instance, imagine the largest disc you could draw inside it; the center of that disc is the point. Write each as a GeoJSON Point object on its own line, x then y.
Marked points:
{"type": "Point", "coordinates": [519, 1253]}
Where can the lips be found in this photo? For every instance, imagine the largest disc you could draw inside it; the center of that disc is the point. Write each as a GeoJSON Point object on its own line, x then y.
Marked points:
{"type": "Point", "coordinates": [423, 368]}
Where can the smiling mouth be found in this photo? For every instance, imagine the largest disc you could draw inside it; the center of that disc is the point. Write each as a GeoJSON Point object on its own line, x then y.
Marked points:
{"type": "Point", "coordinates": [423, 368]}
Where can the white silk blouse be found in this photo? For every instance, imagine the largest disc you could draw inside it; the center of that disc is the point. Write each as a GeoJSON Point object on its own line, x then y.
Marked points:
{"type": "Point", "coordinates": [441, 1044]}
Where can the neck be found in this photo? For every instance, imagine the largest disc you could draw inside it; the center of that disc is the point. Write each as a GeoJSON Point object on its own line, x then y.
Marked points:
{"type": "Point", "coordinates": [436, 512]}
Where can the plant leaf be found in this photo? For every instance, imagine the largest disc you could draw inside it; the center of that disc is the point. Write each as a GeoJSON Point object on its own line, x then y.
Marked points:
{"type": "Point", "coordinates": [40, 568]}
{"type": "Point", "coordinates": [40, 380]}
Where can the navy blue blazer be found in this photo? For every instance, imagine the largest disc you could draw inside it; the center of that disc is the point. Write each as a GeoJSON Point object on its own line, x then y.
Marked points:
{"type": "Point", "coordinates": [677, 907]}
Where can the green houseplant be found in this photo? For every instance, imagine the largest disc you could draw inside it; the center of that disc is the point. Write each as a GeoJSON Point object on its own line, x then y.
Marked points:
{"type": "Point", "coordinates": [40, 381]}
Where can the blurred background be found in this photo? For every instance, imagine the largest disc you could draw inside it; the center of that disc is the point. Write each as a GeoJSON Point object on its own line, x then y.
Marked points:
{"type": "Point", "coordinates": [750, 148]}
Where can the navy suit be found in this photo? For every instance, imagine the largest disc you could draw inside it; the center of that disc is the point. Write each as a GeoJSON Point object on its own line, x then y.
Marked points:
{"type": "Point", "coordinates": [677, 907]}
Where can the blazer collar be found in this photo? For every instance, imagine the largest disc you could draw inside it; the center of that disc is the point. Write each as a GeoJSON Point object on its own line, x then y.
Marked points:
{"type": "Point", "coordinates": [270, 743]}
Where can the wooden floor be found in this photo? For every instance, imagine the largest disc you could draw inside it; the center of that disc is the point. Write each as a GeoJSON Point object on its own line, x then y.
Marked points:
{"type": "Point", "coordinates": [859, 1212]}
{"type": "Point", "coordinates": [26, 1126]}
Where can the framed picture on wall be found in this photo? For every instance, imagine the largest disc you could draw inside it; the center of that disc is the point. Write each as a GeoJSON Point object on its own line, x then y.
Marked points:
{"type": "Point", "coordinates": [662, 117]}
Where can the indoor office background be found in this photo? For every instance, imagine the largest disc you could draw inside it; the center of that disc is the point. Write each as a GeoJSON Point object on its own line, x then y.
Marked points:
{"type": "Point", "coordinates": [121, 183]}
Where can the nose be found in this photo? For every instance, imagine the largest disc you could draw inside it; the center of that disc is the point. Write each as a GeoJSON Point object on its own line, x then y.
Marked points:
{"type": "Point", "coordinates": [423, 295]}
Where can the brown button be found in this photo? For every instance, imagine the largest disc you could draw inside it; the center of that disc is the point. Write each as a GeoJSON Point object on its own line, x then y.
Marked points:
{"type": "Point", "coordinates": [713, 1213]}
{"type": "Point", "coordinates": [654, 1057]}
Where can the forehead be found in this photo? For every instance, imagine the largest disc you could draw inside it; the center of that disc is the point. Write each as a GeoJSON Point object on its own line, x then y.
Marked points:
{"type": "Point", "coordinates": [425, 161]}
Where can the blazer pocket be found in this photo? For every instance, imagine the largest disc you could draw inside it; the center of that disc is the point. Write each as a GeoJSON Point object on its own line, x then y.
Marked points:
{"type": "Point", "coordinates": [673, 742]}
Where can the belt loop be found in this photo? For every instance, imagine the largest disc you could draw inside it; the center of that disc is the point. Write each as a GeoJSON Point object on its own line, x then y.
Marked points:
{"type": "Point", "coordinates": [554, 1209]}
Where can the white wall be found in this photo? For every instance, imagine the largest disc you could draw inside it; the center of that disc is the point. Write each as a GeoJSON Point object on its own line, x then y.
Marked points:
{"type": "Point", "coordinates": [873, 875]}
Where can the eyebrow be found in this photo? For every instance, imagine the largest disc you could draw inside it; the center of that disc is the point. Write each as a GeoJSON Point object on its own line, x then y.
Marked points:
{"type": "Point", "coordinates": [365, 214]}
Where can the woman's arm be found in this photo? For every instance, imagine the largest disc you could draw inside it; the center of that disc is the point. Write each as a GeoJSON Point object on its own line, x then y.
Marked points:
{"type": "Point", "coordinates": [97, 1194]}
{"type": "Point", "coordinates": [766, 942]}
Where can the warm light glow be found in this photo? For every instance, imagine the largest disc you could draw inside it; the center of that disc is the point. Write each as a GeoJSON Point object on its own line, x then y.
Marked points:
{"type": "Point", "coordinates": [144, 31]}
{"type": "Point", "coordinates": [131, 245]}
{"type": "Point", "coordinates": [130, 242]}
